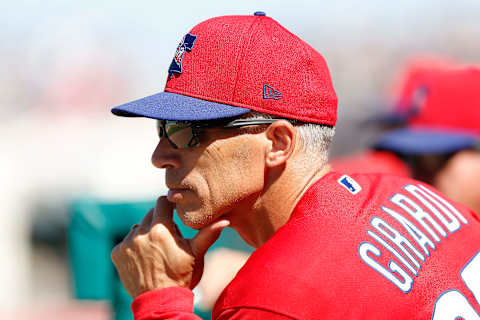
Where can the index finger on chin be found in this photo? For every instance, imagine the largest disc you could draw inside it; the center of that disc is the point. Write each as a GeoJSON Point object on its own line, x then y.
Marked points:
{"type": "Point", "coordinates": [163, 213]}
{"type": "Point", "coordinates": [145, 224]}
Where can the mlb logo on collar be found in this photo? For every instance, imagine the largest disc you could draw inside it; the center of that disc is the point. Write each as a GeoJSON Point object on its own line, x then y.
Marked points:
{"type": "Point", "coordinates": [348, 183]}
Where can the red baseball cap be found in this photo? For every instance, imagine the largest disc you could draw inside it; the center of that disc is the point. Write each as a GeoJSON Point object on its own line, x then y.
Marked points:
{"type": "Point", "coordinates": [447, 121]}
{"type": "Point", "coordinates": [230, 65]}
{"type": "Point", "coordinates": [406, 91]}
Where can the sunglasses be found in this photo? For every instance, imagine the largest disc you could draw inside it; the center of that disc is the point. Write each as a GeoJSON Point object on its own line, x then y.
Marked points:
{"type": "Point", "coordinates": [186, 134]}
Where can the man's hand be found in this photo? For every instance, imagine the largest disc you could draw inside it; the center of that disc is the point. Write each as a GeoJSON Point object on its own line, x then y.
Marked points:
{"type": "Point", "coordinates": [154, 255]}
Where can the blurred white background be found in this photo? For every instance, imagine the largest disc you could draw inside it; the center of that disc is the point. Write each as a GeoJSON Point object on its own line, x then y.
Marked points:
{"type": "Point", "coordinates": [66, 63]}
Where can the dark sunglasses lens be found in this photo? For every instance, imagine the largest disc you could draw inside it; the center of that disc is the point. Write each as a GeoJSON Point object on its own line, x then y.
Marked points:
{"type": "Point", "coordinates": [180, 134]}
{"type": "Point", "coordinates": [160, 132]}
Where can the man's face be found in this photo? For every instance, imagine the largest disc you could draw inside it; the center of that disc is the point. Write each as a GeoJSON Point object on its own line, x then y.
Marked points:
{"type": "Point", "coordinates": [218, 178]}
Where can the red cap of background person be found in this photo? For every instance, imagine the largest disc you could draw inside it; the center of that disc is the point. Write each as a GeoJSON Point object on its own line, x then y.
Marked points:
{"type": "Point", "coordinates": [418, 71]}
{"type": "Point", "coordinates": [452, 101]}
{"type": "Point", "coordinates": [447, 120]}
{"type": "Point", "coordinates": [406, 88]}
{"type": "Point", "coordinates": [371, 162]}
{"type": "Point", "coordinates": [227, 66]}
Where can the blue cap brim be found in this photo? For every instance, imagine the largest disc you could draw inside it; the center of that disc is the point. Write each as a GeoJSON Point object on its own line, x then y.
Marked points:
{"type": "Point", "coordinates": [173, 106]}
{"type": "Point", "coordinates": [426, 141]}
{"type": "Point", "coordinates": [389, 118]}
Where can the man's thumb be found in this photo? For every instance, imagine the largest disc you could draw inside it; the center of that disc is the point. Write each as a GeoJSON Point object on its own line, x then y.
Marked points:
{"type": "Point", "coordinates": [207, 236]}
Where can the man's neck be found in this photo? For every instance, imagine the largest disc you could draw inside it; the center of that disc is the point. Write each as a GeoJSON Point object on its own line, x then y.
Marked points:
{"type": "Point", "coordinates": [273, 208]}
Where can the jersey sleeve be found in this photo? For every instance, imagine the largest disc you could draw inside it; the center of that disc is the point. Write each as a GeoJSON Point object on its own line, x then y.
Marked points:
{"type": "Point", "coordinates": [176, 303]}
{"type": "Point", "coordinates": [243, 313]}
{"type": "Point", "coordinates": [173, 303]}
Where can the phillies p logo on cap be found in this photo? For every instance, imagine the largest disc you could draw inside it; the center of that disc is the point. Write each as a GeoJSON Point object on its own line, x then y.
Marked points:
{"type": "Point", "coordinates": [186, 44]}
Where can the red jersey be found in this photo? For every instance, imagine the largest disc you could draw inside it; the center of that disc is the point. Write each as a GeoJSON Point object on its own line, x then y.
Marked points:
{"type": "Point", "coordinates": [365, 246]}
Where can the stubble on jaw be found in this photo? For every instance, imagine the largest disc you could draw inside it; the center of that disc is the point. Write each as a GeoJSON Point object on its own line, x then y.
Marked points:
{"type": "Point", "coordinates": [232, 188]}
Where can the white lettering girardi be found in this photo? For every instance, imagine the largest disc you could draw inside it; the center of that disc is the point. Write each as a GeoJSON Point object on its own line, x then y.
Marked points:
{"type": "Point", "coordinates": [426, 226]}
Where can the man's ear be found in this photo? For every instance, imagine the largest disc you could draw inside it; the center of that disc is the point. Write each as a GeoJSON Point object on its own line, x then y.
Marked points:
{"type": "Point", "coordinates": [282, 136]}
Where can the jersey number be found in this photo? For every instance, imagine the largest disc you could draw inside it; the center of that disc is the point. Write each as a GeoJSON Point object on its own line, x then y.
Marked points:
{"type": "Point", "coordinates": [452, 304]}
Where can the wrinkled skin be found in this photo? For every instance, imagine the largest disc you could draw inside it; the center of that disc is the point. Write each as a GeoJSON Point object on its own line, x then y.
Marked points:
{"type": "Point", "coordinates": [154, 254]}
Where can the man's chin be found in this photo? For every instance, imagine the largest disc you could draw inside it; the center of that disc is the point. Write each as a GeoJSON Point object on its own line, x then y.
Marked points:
{"type": "Point", "coordinates": [193, 218]}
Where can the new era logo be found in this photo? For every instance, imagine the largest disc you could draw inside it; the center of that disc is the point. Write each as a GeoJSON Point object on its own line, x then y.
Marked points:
{"type": "Point", "coordinates": [271, 93]}
{"type": "Point", "coordinates": [350, 184]}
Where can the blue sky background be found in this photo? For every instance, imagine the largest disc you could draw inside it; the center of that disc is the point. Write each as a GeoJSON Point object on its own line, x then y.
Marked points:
{"type": "Point", "coordinates": [49, 45]}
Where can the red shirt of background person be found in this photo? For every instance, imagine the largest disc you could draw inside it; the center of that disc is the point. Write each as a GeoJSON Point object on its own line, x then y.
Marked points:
{"type": "Point", "coordinates": [371, 161]}
{"type": "Point", "coordinates": [329, 245]}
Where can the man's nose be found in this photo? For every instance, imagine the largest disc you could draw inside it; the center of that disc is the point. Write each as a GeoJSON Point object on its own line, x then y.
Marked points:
{"type": "Point", "coordinates": [165, 156]}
